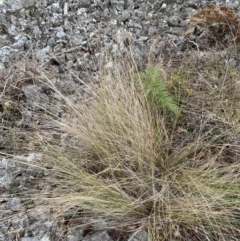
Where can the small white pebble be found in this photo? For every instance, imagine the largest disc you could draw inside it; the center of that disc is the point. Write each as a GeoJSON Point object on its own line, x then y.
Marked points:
{"type": "Point", "coordinates": [164, 5]}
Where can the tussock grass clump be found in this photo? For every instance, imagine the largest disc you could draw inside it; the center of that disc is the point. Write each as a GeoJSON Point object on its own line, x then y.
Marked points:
{"type": "Point", "coordinates": [127, 160]}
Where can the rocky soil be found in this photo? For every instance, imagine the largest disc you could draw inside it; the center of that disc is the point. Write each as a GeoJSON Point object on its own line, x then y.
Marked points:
{"type": "Point", "coordinates": [65, 41]}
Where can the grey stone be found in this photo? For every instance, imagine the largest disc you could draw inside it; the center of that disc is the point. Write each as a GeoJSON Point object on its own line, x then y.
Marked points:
{"type": "Point", "coordinates": [28, 239]}
{"type": "Point", "coordinates": [12, 30]}
{"type": "Point", "coordinates": [4, 227]}
{"type": "Point", "coordinates": [14, 204]}
{"type": "Point", "coordinates": [140, 51]}
{"type": "Point", "coordinates": [71, 56]}
{"type": "Point", "coordinates": [27, 4]}
{"type": "Point", "coordinates": [6, 180]}
{"type": "Point", "coordinates": [35, 97]}
{"type": "Point", "coordinates": [100, 236]}
{"type": "Point", "coordinates": [132, 24]}
{"type": "Point", "coordinates": [58, 47]}
{"type": "Point", "coordinates": [2, 236]}
{"type": "Point", "coordinates": [84, 3]}
{"type": "Point", "coordinates": [20, 42]}
{"type": "Point", "coordinates": [37, 33]}
{"type": "Point", "coordinates": [125, 15]}
{"type": "Point", "coordinates": [60, 33]}
{"type": "Point", "coordinates": [118, 4]}
{"type": "Point", "coordinates": [20, 222]}
{"type": "Point", "coordinates": [56, 20]}
{"type": "Point", "coordinates": [46, 237]}
{"type": "Point", "coordinates": [77, 40]}
{"type": "Point", "coordinates": [129, 4]}
{"type": "Point", "coordinates": [69, 64]}
{"type": "Point", "coordinates": [12, 5]}
{"type": "Point", "coordinates": [30, 157]}
{"type": "Point", "coordinates": [169, 1]}
{"type": "Point", "coordinates": [82, 10]}
{"type": "Point", "coordinates": [61, 58]}
{"type": "Point", "coordinates": [7, 51]}
{"type": "Point", "coordinates": [43, 53]}
{"type": "Point", "coordinates": [157, 6]}
{"type": "Point", "coordinates": [9, 236]}
{"type": "Point", "coordinates": [55, 7]}
{"type": "Point", "coordinates": [75, 234]}
{"type": "Point", "coordinates": [233, 62]}
{"type": "Point", "coordinates": [139, 235]}
{"type": "Point", "coordinates": [106, 12]}
{"type": "Point", "coordinates": [51, 42]}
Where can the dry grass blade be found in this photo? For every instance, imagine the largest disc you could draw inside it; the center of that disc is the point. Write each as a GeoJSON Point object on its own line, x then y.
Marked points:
{"type": "Point", "coordinates": [124, 159]}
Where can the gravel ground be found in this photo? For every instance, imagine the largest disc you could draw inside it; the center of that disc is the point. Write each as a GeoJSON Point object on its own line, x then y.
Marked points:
{"type": "Point", "coordinates": [69, 37]}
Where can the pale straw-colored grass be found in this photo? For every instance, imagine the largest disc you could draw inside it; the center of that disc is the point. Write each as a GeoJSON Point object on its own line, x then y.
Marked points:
{"type": "Point", "coordinates": [127, 164]}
